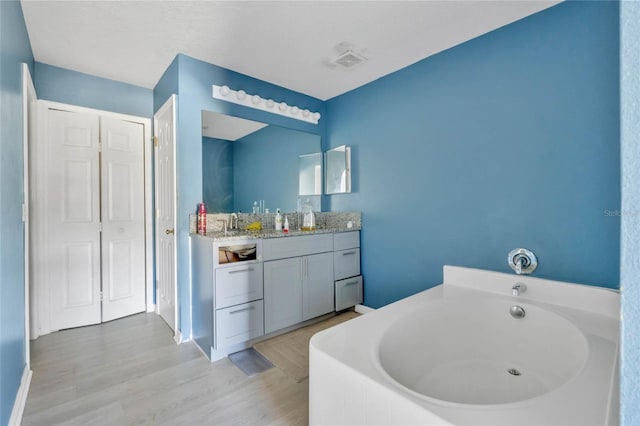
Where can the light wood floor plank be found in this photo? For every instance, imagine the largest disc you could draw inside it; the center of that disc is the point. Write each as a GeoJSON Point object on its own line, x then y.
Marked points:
{"type": "Point", "coordinates": [130, 372]}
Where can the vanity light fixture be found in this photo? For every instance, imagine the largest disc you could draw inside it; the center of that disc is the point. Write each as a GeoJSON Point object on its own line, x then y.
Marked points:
{"type": "Point", "coordinates": [241, 97]}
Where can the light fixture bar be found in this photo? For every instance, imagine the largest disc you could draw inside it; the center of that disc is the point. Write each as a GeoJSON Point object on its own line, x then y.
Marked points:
{"type": "Point", "coordinates": [241, 97]}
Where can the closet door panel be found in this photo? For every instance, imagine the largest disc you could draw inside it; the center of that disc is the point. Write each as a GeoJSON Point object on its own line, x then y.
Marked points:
{"type": "Point", "coordinates": [72, 200]}
{"type": "Point", "coordinates": [123, 243]}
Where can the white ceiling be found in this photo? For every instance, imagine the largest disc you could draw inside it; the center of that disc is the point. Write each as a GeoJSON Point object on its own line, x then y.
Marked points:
{"type": "Point", "coordinates": [288, 43]}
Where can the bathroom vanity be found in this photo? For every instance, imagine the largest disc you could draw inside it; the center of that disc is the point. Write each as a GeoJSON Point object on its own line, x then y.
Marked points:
{"type": "Point", "coordinates": [249, 287]}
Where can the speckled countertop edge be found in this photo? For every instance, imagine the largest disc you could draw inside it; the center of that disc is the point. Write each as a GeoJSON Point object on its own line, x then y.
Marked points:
{"type": "Point", "coordinates": [264, 234]}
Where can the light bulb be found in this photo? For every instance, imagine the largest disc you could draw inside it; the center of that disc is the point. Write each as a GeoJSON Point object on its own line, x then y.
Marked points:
{"type": "Point", "coordinates": [256, 99]}
{"type": "Point", "coordinates": [316, 116]}
{"type": "Point", "coordinates": [306, 113]}
{"type": "Point", "coordinates": [294, 110]}
{"type": "Point", "coordinates": [241, 94]}
{"type": "Point", "coordinates": [282, 106]}
{"type": "Point", "coordinates": [270, 103]}
{"type": "Point", "coordinates": [224, 91]}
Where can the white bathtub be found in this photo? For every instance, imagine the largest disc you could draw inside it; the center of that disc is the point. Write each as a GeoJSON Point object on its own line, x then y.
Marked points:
{"type": "Point", "coordinates": [454, 355]}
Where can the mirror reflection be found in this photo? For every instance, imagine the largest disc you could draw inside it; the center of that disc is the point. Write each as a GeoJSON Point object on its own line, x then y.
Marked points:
{"type": "Point", "coordinates": [310, 174]}
{"type": "Point", "coordinates": [244, 161]}
{"type": "Point", "coordinates": [338, 170]}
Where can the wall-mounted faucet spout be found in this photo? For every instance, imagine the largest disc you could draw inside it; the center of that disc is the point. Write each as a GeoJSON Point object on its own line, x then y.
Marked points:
{"type": "Point", "coordinates": [518, 289]}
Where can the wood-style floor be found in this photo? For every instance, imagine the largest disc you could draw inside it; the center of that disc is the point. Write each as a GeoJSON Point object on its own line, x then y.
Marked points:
{"type": "Point", "coordinates": [130, 372]}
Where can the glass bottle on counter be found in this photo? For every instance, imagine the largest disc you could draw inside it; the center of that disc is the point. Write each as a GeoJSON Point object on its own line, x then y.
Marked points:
{"type": "Point", "coordinates": [308, 219]}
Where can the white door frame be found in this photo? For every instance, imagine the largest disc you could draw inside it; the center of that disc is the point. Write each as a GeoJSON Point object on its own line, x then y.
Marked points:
{"type": "Point", "coordinates": [42, 320]}
{"type": "Point", "coordinates": [28, 124]}
{"type": "Point", "coordinates": [171, 102]}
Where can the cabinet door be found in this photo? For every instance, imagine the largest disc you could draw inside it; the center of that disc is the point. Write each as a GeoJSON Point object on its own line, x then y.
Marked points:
{"type": "Point", "coordinates": [238, 324]}
{"type": "Point", "coordinates": [348, 293]}
{"type": "Point", "coordinates": [238, 284]}
{"type": "Point", "coordinates": [346, 263]}
{"type": "Point", "coordinates": [318, 285]}
{"type": "Point", "coordinates": [282, 293]}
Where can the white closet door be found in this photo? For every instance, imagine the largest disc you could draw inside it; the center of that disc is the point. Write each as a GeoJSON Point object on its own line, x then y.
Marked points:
{"type": "Point", "coordinates": [73, 218]}
{"type": "Point", "coordinates": [123, 244]}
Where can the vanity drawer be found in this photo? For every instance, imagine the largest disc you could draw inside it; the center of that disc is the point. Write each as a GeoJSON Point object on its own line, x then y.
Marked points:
{"type": "Point", "coordinates": [238, 284]}
{"type": "Point", "coordinates": [238, 324]}
{"type": "Point", "coordinates": [346, 263]}
{"type": "Point", "coordinates": [348, 293]}
{"type": "Point", "coordinates": [346, 240]}
{"type": "Point", "coordinates": [284, 247]}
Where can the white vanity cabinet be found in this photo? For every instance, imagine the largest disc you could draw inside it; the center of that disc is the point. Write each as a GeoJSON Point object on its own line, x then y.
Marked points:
{"type": "Point", "coordinates": [348, 281]}
{"type": "Point", "coordinates": [227, 290]}
{"type": "Point", "coordinates": [298, 279]}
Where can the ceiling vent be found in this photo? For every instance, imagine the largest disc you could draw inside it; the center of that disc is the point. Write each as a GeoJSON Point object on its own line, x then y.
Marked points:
{"type": "Point", "coordinates": [349, 59]}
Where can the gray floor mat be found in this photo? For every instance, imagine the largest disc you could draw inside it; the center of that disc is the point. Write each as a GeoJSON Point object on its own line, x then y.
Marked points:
{"type": "Point", "coordinates": [250, 361]}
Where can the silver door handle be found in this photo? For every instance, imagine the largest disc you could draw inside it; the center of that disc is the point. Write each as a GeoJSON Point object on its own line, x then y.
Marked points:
{"type": "Point", "coordinates": [347, 253]}
{"type": "Point", "coordinates": [169, 231]}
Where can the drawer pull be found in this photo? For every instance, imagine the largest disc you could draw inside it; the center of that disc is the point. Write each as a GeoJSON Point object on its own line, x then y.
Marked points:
{"type": "Point", "coordinates": [240, 270]}
{"type": "Point", "coordinates": [250, 308]}
{"type": "Point", "coordinates": [347, 253]}
{"type": "Point", "coordinates": [351, 283]}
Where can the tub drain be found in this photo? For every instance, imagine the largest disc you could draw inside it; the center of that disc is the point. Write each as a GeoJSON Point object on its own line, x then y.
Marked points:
{"type": "Point", "coordinates": [513, 372]}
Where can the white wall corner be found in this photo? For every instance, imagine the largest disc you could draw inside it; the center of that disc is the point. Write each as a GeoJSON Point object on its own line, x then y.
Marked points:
{"type": "Point", "coordinates": [21, 398]}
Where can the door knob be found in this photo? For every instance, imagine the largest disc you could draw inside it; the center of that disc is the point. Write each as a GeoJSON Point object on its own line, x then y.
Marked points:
{"type": "Point", "coordinates": [169, 231]}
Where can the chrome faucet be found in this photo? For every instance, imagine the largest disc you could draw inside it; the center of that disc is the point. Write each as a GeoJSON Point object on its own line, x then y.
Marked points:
{"type": "Point", "coordinates": [518, 289]}
{"type": "Point", "coordinates": [522, 261]}
{"type": "Point", "coordinates": [233, 221]}
{"type": "Point", "coordinates": [224, 225]}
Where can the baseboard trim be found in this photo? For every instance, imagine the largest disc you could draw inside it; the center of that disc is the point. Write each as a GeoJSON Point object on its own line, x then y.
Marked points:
{"type": "Point", "coordinates": [21, 398]}
{"type": "Point", "coordinates": [362, 309]}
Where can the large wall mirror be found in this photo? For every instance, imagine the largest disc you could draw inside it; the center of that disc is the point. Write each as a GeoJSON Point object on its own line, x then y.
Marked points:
{"type": "Point", "coordinates": [244, 161]}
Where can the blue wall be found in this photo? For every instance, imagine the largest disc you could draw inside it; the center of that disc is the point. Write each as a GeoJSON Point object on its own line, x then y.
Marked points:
{"type": "Point", "coordinates": [217, 175]}
{"type": "Point", "coordinates": [14, 50]}
{"type": "Point", "coordinates": [194, 89]}
{"type": "Point", "coordinates": [630, 243]}
{"type": "Point", "coordinates": [509, 140]}
{"type": "Point", "coordinates": [266, 167]}
{"type": "Point", "coordinates": [75, 88]}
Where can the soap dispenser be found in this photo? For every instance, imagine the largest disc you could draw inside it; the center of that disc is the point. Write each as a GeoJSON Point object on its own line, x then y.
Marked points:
{"type": "Point", "coordinates": [308, 219]}
{"type": "Point", "coordinates": [278, 220]}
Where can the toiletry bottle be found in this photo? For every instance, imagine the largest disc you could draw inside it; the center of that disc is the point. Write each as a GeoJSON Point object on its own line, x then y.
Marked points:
{"type": "Point", "coordinates": [309, 219]}
{"type": "Point", "coordinates": [202, 219]}
{"type": "Point", "coordinates": [278, 220]}
{"type": "Point", "coordinates": [256, 209]}
{"type": "Point", "coordinates": [286, 225]}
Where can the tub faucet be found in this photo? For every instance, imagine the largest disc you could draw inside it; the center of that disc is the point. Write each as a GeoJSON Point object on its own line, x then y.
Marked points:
{"type": "Point", "coordinates": [518, 289]}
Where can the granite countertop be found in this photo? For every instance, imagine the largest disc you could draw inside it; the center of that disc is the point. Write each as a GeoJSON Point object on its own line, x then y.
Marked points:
{"type": "Point", "coordinates": [326, 222]}
{"type": "Point", "coordinates": [239, 234]}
